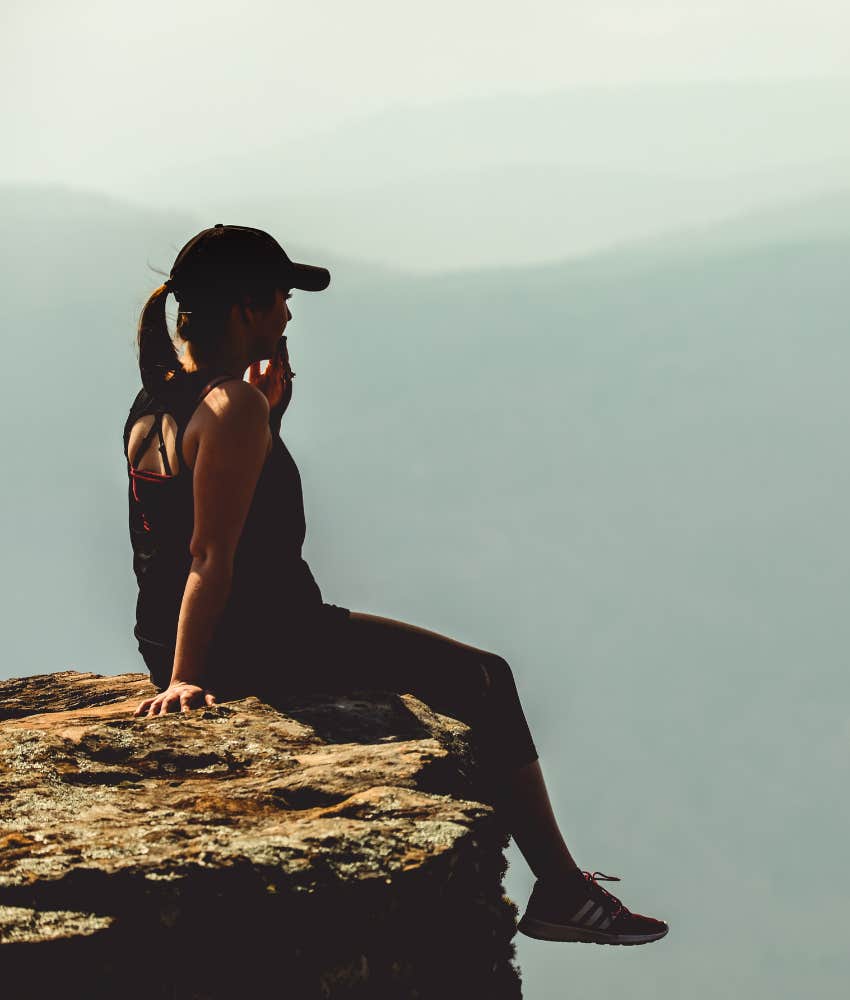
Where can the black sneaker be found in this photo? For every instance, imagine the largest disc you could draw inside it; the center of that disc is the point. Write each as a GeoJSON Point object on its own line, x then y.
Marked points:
{"type": "Point", "coordinates": [579, 909]}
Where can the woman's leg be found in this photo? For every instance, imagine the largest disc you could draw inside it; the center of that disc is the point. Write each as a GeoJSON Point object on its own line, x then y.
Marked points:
{"type": "Point", "coordinates": [531, 821]}
{"type": "Point", "coordinates": [478, 688]}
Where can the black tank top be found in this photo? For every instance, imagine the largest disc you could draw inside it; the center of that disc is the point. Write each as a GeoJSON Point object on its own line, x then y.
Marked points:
{"type": "Point", "coordinates": [272, 584]}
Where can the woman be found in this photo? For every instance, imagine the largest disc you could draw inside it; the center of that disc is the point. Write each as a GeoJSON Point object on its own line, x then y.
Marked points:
{"type": "Point", "coordinates": [217, 526]}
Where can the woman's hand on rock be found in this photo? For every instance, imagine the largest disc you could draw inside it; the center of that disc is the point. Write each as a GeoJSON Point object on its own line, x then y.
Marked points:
{"type": "Point", "coordinates": [180, 697]}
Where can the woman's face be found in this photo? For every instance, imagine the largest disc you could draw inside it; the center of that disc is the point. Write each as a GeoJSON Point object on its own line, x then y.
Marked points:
{"type": "Point", "coordinates": [270, 323]}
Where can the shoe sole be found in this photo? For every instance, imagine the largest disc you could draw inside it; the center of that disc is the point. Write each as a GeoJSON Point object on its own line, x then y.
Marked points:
{"type": "Point", "coordinates": [543, 931]}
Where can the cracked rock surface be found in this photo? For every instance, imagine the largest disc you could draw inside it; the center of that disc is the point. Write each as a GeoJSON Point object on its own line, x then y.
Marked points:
{"type": "Point", "coordinates": [329, 846]}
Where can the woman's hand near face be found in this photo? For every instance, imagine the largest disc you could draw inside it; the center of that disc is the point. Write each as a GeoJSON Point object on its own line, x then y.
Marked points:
{"type": "Point", "coordinates": [275, 383]}
{"type": "Point", "coordinates": [180, 697]}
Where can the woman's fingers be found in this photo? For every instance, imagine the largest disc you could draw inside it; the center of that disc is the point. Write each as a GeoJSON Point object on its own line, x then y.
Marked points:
{"type": "Point", "coordinates": [168, 699]}
{"type": "Point", "coordinates": [276, 367]}
{"type": "Point", "coordinates": [281, 360]}
{"type": "Point", "coordinates": [254, 371]}
{"type": "Point", "coordinates": [175, 701]}
{"type": "Point", "coordinates": [193, 699]}
{"type": "Point", "coordinates": [284, 357]}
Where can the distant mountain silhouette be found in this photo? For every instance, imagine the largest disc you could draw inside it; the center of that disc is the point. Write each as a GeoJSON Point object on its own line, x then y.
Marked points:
{"type": "Point", "coordinates": [518, 215]}
{"type": "Point", "coordinates": [521, 179]}
{"type": "Point", "coordinates": [712, 129]}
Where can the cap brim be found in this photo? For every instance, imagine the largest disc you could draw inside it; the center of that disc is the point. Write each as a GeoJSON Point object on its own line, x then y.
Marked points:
{"type": "Point", "coordinates": [309, 278]}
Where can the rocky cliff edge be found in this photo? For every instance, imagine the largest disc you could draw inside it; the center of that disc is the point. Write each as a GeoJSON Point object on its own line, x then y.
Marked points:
{"type": "Point", "coordinates": [327, 847]}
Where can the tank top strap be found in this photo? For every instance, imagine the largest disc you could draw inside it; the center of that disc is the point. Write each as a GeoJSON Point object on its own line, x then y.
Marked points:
{"type": "Point", "coordinates": [182, 424]}
{"type": "Point", "coordinates": [212, 384]}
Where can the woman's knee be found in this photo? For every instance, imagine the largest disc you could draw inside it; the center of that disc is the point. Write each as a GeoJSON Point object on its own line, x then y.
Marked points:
{"type": "Point", "coordinates": [497, 673]}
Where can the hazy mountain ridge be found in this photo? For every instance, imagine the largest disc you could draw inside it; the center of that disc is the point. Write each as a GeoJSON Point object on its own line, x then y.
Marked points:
{"type": "Point", "coordinates": [514, 180]}
{"type": "Point", "coordinates": [517, 215]}
{"type": "Point", "coordinates": [708, 127]}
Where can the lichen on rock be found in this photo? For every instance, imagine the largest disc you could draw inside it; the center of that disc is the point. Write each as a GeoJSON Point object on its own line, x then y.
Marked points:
{"type": "Point", "coordinates": [328, 846]}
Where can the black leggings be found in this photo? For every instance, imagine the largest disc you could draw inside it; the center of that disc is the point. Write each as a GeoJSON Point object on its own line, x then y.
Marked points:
{"type": "Point", "coordinates": [349, 650]}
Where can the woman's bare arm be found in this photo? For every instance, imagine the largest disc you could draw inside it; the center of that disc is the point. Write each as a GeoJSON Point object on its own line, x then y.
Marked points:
{"type": "Point", "coordinates": [232, 445]}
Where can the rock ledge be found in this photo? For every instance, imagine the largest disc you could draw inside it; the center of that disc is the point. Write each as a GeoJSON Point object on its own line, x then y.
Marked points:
{"type": "Point", "coordinates": [326, 847]}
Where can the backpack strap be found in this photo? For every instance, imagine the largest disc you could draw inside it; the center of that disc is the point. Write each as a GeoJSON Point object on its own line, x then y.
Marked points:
{"type": "Point", "coordinates": [157, 419]}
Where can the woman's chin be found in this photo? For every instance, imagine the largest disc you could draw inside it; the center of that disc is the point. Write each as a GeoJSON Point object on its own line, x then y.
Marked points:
{"type": "Point", "coordinates": [270, 350]}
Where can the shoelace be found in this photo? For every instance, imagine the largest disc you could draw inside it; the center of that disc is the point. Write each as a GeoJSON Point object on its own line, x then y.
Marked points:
{"type": "Point", "coordinates": [595, 878]}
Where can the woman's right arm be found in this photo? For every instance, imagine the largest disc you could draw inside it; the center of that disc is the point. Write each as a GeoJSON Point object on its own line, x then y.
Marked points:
{"type": "Point", "coordinates": [233, 442]}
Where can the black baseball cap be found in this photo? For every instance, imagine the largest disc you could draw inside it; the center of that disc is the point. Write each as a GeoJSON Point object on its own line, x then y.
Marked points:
{"type": "Point", "coordinates": [235, 253]}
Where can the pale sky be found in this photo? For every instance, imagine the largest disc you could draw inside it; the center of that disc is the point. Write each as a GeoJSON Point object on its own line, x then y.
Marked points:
{"type": "Point", "coordinates": [91, 89]}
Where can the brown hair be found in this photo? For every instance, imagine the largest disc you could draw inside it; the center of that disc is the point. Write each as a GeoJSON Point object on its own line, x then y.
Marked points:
{"type": "Point", "coordinates": [156, 348]}
{"type": "Point", "coordinates": [201, 321]}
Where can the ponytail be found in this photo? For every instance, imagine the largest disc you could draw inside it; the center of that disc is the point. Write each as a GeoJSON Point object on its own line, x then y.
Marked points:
{"type": "Point", "coordinates": [202, 322]}
{"type": "Point", "coordinates": [157, 353]}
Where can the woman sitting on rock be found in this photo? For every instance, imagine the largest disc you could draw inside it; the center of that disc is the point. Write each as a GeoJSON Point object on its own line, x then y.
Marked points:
{"type": "Point", "coordinates": [227, 606]}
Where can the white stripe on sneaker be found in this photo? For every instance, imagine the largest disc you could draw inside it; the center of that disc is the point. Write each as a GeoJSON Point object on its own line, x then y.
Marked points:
{"type": "Point", "coordinates": [606, 923]}
{"type": "Point", "coordinates": [591, 920]}
{"type": "Point", "coordinates": [582, 911]}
